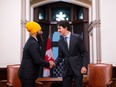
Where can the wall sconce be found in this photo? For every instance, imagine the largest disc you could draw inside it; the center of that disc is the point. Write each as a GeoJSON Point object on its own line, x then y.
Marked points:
{"type": "Point", "coordinates": [23, 22]}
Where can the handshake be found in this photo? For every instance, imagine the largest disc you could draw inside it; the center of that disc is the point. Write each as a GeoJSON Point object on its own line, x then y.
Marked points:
{"type": "Point", "coordinates": [52, 64]}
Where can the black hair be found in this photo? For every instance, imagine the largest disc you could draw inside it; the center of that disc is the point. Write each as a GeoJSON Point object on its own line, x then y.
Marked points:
{"type": "Point", "coordinates": [64, 24]}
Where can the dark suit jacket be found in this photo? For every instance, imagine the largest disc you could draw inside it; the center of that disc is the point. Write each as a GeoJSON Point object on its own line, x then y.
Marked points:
{"type": "Point", "coordinates": [32, 60]}
{"type": "Point", "coordinates": [76, 56]}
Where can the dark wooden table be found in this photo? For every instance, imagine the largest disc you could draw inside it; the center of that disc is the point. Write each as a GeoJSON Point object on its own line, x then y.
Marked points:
{"type": "Point", "coordinates": [47, 81]}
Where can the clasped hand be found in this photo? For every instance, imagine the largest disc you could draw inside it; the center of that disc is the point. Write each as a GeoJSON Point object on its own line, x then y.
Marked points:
{"type": "Point", "coordinates": [52, 64]}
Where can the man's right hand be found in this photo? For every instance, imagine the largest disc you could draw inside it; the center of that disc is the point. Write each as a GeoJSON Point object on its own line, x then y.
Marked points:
{"type": "Point", "coordinates": [51, 64]}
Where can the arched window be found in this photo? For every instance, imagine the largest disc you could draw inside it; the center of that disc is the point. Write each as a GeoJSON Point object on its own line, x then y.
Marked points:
{"type": "Point", "coordinates": [60, 14]}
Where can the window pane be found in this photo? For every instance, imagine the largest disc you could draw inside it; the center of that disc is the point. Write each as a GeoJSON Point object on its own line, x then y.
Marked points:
{"type": "Point", "coordinates": [56, 37]}
{"type": "Point", "coordinates": [61, 14]}
{"type": "Point", "coordinates": [55, 52]}
{"type": "Point", "coordinates": [80, 13]}
{"type": "Point", "coordinates": [42, 13]}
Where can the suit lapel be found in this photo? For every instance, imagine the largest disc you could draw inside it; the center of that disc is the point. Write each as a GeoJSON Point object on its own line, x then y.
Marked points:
{"type": "Point", "coordinates": [70, 43]}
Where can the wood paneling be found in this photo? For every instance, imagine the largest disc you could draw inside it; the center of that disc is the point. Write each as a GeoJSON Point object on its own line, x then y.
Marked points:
{"type": "Point", "coordinates": [3, 74]}
{"type": "Point", "coordinates": [3, 77]}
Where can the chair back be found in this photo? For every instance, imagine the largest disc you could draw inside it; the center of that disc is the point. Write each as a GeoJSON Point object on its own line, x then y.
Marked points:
{"type": "Point", "coordinates": [12, 75]}
{"type": "Point", "coordinates": [99, 74]}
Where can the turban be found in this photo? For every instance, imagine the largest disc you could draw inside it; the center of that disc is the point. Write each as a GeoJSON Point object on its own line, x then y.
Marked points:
{"type": "Point", "coordinates": [33, 27]}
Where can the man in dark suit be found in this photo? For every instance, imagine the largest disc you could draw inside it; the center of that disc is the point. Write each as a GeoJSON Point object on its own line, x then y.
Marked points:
{"type": "Point", "coordinates": [32, 57]}
{"type": "Point", "coordinates": [72, 50]}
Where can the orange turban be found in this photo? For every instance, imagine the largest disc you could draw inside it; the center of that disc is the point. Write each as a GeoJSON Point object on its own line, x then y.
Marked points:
{"type": "Point", "coordinates": [33, 27]}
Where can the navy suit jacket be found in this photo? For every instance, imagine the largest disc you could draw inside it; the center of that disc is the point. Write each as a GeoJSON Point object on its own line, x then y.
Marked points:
{"type": "Point", "coordinates": [32, 60]}
{"type": "Point", "coordinates": [76, 55]}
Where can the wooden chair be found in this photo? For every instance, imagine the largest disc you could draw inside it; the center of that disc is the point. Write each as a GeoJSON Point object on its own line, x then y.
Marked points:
{"type": "Point", "coordinates": [12, 76]}
{"type": "Point", "coordinates": [99, 75]}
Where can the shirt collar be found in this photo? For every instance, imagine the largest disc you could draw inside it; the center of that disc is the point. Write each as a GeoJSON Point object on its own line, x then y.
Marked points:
{"type": "Point", "coordinates": [68, 35]}
{"type": "Point", "coordinates": [35, 38]}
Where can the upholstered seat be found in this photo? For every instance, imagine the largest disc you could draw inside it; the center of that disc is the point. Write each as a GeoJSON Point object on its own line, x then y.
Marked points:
{"type": "Point", "coordinates": [99, 75]}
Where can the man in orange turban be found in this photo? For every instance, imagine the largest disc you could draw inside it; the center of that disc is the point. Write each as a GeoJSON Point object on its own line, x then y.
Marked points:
{"type": "Point", "coordinates": [32, 58]}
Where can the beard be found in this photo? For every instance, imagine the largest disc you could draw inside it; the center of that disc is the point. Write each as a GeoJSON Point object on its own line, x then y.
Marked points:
{"type": "Point", "coordinates": [39, 38]}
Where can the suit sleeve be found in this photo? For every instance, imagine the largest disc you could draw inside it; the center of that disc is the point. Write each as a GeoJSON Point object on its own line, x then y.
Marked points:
{"type": "Point", "coordinates": [83, 51]}
{"type": "Point", "coordinates": [34, 50]}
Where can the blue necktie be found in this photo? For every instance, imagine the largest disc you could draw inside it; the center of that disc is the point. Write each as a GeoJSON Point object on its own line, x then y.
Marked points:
{"type": "Point", "coordinates": [65, 40]}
